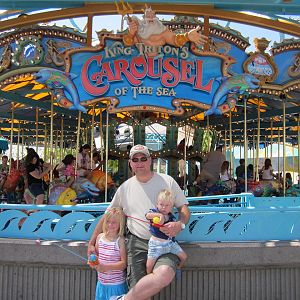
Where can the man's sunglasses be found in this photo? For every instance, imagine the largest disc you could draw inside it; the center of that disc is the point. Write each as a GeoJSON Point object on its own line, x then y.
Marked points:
{"type": "Point", "coordinates": [142, 159]}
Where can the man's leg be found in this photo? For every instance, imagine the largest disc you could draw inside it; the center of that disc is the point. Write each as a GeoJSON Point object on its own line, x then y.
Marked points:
{"type": "Point", "coordinates": [137, 250]}
{"type": "Point", "coordinates": [151, 284]}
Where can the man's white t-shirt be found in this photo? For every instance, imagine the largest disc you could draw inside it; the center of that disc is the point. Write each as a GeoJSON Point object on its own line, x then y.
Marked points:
{"type": "Point", "coordinates": [137, 198]}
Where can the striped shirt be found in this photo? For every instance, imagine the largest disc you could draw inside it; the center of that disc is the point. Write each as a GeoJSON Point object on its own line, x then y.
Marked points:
{"type": "Point", "coordinates": [109, 252]}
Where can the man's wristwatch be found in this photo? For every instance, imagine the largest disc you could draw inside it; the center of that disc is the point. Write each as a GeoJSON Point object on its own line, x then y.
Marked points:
{"type": "Point", "coordinates": [182, 225]}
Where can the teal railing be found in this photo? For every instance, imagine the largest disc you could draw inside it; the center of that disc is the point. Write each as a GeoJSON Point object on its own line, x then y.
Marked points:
{"type": "Point", "coordinates": [234, 218]}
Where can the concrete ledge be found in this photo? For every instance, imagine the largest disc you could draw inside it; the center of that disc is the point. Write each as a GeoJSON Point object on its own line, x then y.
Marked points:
{"type": "Point", "coordinates": [199, 255]}
{"type": "Point", "coordinates": [57, 270]}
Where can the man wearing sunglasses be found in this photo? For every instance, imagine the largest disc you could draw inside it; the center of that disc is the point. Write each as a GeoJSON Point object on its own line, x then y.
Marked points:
{"type": "Point", "coordinates": [137, 196]}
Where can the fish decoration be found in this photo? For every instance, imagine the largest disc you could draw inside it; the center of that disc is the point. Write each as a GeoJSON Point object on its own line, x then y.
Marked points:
{"type": "Point", "coordinates": [61, 83]}
{"type": "Point", "coordinates": [234, 85]}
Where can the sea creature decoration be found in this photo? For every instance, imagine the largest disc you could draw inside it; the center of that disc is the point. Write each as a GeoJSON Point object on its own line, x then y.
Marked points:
{"type": "Point", "coordinates": [61, 83]}
{"type": "Point", "coordinates": [233, 86]}
{"type": "Point", "coordinates": [99, 179]}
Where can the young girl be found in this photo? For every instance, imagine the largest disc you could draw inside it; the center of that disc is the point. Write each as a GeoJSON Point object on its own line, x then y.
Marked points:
{"type": "Point", "coordinates": [65, 170]}
{"type": "Point", "coordinates": [230, 185]}
{"type": "Point", "coordinates": [224, 174]}
{"type": "Point", "coordinates": [160, 243]}
{"type": "Point", "coordinates": [111, 252]}
{"type": "Point", "coordinates": [84, 161]}
{"type": "Point", "coordinates": [267, 171]}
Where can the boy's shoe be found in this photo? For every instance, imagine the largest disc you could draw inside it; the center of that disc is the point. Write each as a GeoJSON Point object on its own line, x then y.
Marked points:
{"type": "Point", "coordinates": [121, 297]}
{"type": "Point", "coordinates": [178, 273]}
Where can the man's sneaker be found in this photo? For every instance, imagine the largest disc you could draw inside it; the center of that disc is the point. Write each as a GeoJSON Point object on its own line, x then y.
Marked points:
{"type": "Point", "coordinates": [117, 297]}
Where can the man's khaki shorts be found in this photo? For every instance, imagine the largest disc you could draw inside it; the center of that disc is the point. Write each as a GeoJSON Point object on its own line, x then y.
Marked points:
{"type": "Point", "coordinates": [137, 250]}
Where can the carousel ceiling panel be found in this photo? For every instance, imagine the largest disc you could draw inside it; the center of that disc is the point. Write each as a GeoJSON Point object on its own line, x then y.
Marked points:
{"type": "Point", "coordinates": [266, 6]}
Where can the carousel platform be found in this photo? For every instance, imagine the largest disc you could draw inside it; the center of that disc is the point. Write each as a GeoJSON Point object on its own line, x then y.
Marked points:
{"type": "Point", "coordinates": [56, 270]}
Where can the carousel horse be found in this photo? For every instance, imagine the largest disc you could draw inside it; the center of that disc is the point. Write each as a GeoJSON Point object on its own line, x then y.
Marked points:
{"type": "Point", "coordinates": [12, 180]}
{"type": "Point", "coordinates": [82, 189]}
{"type": "Point", "coordinates": [293, 191]}
{"type": "Point", "coordinates": [221, 188]}
{"type": "Point", "coordinates": [264, 188]}
{"type": "Point", "coordinates": [99, 179]}
{"type": "Point", "coordinates": [62, 195]}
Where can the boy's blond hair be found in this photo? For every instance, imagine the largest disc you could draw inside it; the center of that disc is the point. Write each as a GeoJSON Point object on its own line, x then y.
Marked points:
{"type": "Point", "coordinates": [166, 196]}
{"type": "Point", "coordinates": [119, 214]}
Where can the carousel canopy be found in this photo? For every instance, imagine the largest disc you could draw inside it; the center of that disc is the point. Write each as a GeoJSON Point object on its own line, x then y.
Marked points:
{"type": "Point", "coordinates": [24, 27]}
{"type": "Point", "coordinates": [266, 7]}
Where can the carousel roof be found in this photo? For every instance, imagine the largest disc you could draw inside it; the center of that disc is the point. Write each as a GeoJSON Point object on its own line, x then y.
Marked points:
{"type": "Point", "coordinates": [266, 7]}
{"type": "Point", "coordinates": [27, 102]}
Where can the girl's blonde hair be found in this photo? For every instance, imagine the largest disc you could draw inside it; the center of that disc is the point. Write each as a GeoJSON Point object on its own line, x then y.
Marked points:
{"type": "Point", "coordinates": [166, 196]}
{"type": "Point", "coordinates": [118, 213]}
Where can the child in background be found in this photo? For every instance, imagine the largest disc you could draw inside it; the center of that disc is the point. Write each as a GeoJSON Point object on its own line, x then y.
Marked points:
{"type": "Point", "coordinates": [267, 171]}
{"type": "Point", "coordinates": [288, 180]}
{"type": "Point", "coordinates": [112, 259]}
{"type": "Point", "coordinates": [65, 170]}
{"type": "Point", "coordinates": [160, 243]}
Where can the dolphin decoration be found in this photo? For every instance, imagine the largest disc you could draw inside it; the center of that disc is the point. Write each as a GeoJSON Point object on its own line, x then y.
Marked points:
{"type": "Point", "coordinates": [60, 82]}
{"type": "Point", "coordinates": [90, 188]}
{"type": "Point", "coordinates": [236, 84]}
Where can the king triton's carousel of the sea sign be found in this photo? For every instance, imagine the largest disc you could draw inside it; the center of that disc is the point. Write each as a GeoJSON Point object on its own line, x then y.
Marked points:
{"type": "Point", "coordinates": [158, 76]}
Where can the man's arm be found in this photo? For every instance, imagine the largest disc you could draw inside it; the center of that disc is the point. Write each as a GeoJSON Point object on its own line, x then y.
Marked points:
{"type": "Point", "coordinates": [98, 229]}
{"type": "Point", "coordinates": [171, 229]}
{"type": "Point", "coordinates": [184, 214]}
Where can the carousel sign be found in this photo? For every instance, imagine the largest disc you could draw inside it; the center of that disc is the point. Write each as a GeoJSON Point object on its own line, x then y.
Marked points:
{"type": "Point", "coordinates": [151, 68]}
{"type": "Point", "coordinates": [132, 73]}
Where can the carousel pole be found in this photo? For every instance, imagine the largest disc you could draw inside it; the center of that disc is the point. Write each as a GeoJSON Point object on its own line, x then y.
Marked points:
{"type": "Point", "coordinates": [258, 141]}
{"type": "Point", "coordinates": [11, 134]}
{"type": "Point", "coordinates": [298, 127]}
{"type": "Point", "coordinates": [101, 136]}
{"type": "Point", "coordinates": [278, 158]}
{"type": "Point", "coordinates": [56, 145]}
{"type": "Point", "coordinates": [225, 143]}
{"type": "Point", "coordinates": [77, 141]}
{"type": "Point", "coordinates": [245, 142]}
{"type": "Point", "coordinates": [294, 162]}
{"type": "Point", "coordinates": [23, 141]}
{"type": "Point", "coordinates": [230, 145]}
{"type": "Point", "coordinates": [36, 129]}
{"type": "Point", "coordinates": [89, 32]}
{"type": "Point", "coordinates": [18, 146]}
{"type": "Point", "coordinates": [266, 150]}
{"type": "Point", "coordinates": [207, 130]}
{"type": "Point", "coordinates": [92, 135]}
{"type": "Point", "coordinates": [106, 155]}
{"type": "Point", "coordinates": [61, 138]}
{"type": "Point", "coordinates": [284, 149]}
{"type": "Point", "coordinates": [86, 131]}
{"type": "Point", "coordinates": [51, 137]}
{"type": "Point", "coordinates": [241, 145]}
{"type": "Point", "coordinates": [271, 150]}
{"type": "Point", "coordinates": [45, 144]}
{"type": "Point", "coordinates": [253, 150]}
{"type": "Point", "coordinates": [184, 158]}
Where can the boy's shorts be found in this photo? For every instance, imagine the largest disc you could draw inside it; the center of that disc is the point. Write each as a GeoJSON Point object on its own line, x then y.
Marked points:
{"type": "Point", "coordinates": [137, 250]}
{"type": "Point", "coordinates": [157, 248]}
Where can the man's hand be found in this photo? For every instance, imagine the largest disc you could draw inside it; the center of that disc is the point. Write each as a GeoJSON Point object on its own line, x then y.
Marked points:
{"type": "Point", "coordinates": [171, 229]}
{"type": "Point", "coordinates": [90, 250]}
{"type": "Point", "coordinates": [196, 37]}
